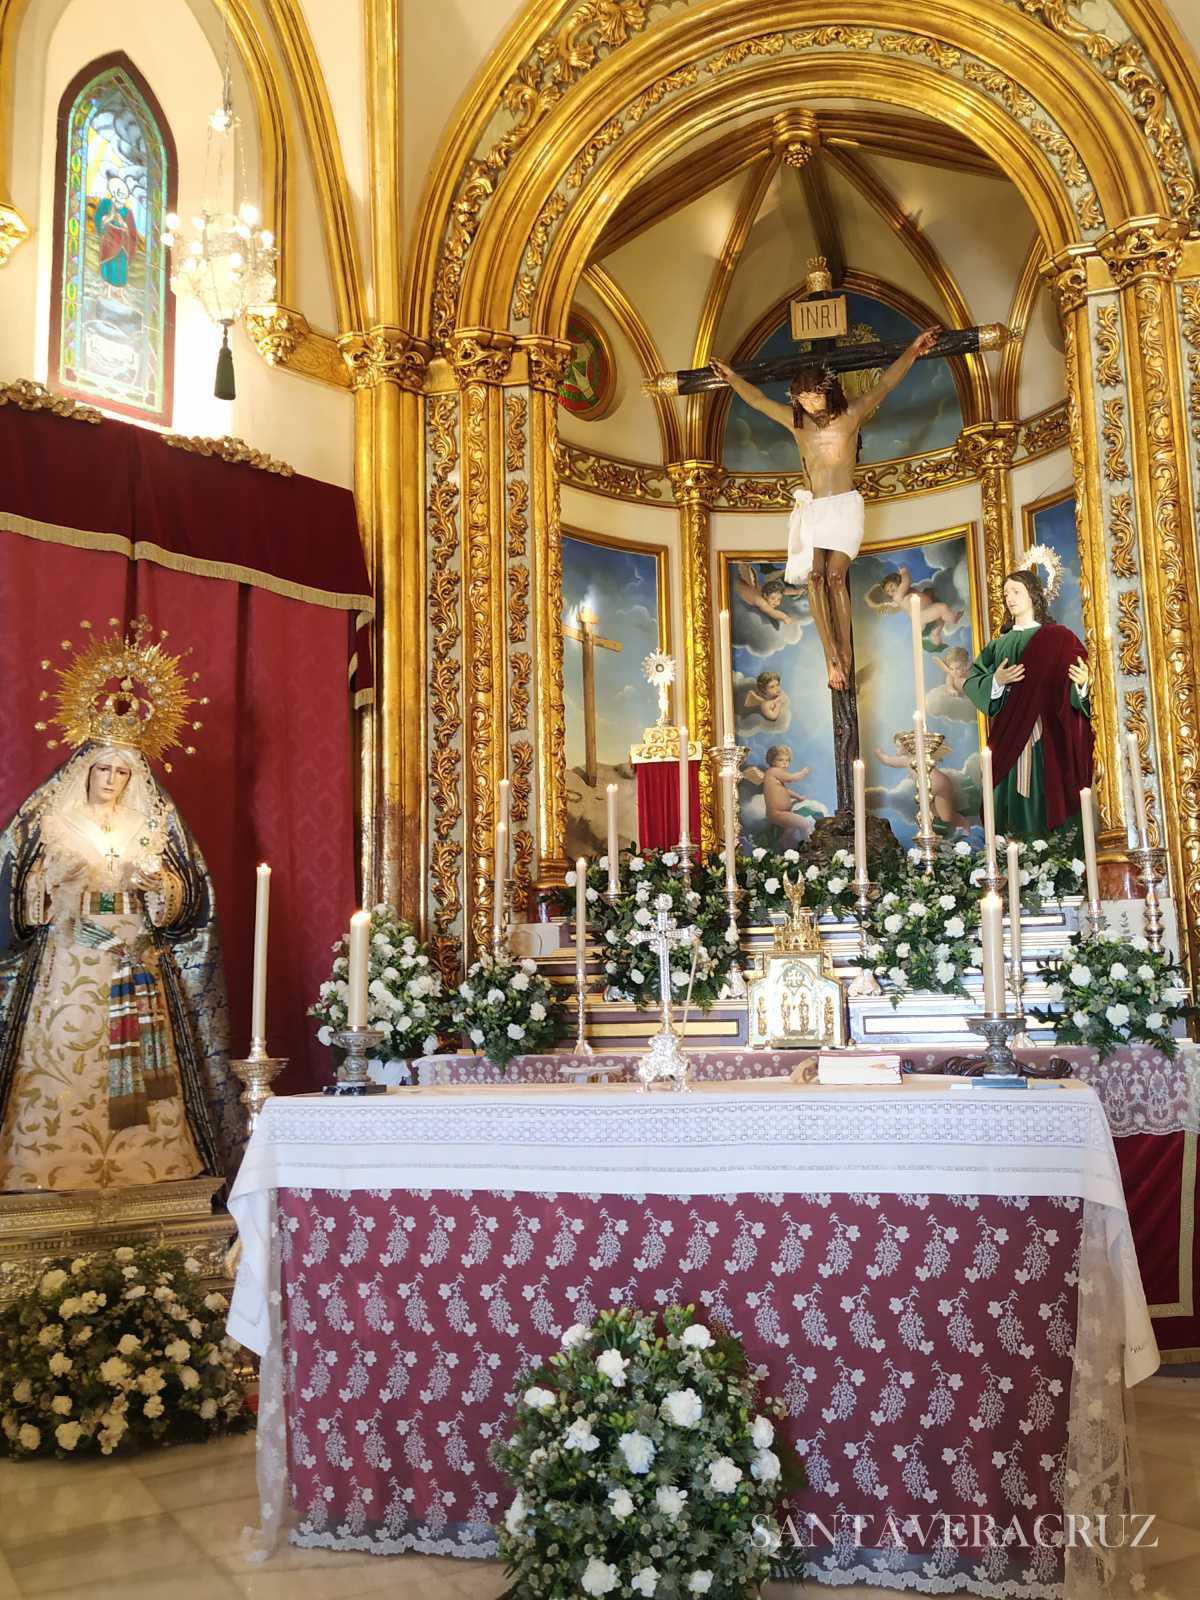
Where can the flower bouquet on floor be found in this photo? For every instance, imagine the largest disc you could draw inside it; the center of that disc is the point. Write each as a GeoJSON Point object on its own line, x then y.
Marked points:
{"type": "Point", "coordinates": [405, 998]}
{"type": "Point", "coordinates": [506, 1008]}
{"type": "Point", "coordinates": [115, 1351]}
{"type": "Point", "coordinates": [643, 1463]}
{"type": "Point", "coordinates": [1109, 991]}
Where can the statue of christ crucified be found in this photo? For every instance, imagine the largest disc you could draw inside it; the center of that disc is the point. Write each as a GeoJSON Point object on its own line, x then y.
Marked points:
{"type": "Point", "coordinates": [826, 528]}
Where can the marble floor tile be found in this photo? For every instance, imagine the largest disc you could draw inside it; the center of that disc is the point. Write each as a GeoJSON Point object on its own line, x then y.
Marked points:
{"type": "Point", "coordinates": [1175, 1543]}
{"type": "Point", "coordinates": [62, 1503]}
{"type": "Point", "coordinates": [203, 1485]}
{"type": "Point", "coordinates": [1179, 1581]}
{"type": "Point", "coordinates": [201, 1581]}
{"type": "Point", "coordinates": [114, 1553]}
{"type": "Point", "coordinates": [148, 1464]}
{"type": "Point", "coordinates": [405, 1577]}
{"type": "Point", "coordinates": [8, 1584]}
{"type": "Point", "coordinates": [1169, 1492]}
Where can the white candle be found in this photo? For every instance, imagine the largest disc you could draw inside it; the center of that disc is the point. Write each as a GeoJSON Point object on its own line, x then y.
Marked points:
{"type": "Point", "coordinates": [499, 906]}
{"type": "Point", "coordinates": [258, 1003]}
{"type": "Point", "coordinates": [580, 913]}
{"type": "Point", "coordinates": [1133, 758]}
{"type": "Point", "coordinates": [729, 813]}
{"type": "Point", "coordinates": [918, 649]}
{"type": "Point", "coordinates": [1087, 817]}
{"type": "Point", "coordinates": [860, 821]}
{"type": "Point", "coordinates": [684, 769]}
{"type": "Point", "coordinates": [614, 873]}
{"type": "Point", "coordinates": [922, 774]}
{"type": "Point", "coordinates": [991, 911]}
{"type": "Point", "coordinates": [727, 731]}
{"type": "Point", "coordinates": [360, 960]}
{"type": "Point", "coordinates": [1014, 901]}
{"type": "Point", "coordinates": [502, 819]}
{"type": "Point", "coordinates": [989, 809]}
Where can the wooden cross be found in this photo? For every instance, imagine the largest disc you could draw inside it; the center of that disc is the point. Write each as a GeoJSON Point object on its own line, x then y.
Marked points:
{"type": "Point", "coordinates": [588, 639]}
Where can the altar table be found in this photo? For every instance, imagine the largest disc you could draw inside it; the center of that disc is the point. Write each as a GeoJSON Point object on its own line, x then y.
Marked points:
{"type": "Point", "coordinates": [939, 1282]}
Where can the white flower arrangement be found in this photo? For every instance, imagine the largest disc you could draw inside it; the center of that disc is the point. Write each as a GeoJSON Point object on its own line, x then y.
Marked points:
{"type": "Point", "coordinates": [666, 1485]}
{"type": "Point", "coordinates": [405, 997]}
{"type": "Point", "coordinates": [1108, 990]}
{"type": "Point", "coordinates": [506, 1008]}
{"type": "Point", "coordinates": [924, 930]}
{"type": "Point", "coordinates": [91, 1363]}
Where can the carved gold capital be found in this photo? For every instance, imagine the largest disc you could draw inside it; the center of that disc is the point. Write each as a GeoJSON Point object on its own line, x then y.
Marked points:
{"type": "Point", "coordinates": [276, 332]}
{"type": "Point", "coordinates": [696, 483]}
{"type": "Point", "coordinates": [547, 359]}
{"type": "Point", "coordinates": [1066, 277]}
{"type": "Point", "coordinates": [384, 354]}
{"type": "Point", "coordinates": [988, 446]}
{"type": "Point", "coordinates": [796, 135]}
{"type": "Point", "coordinates": [1143, 247]}
{"type": "Point", "coordinates": [14, 230]}
{"type": "Point", "coordinates": [480, 355]}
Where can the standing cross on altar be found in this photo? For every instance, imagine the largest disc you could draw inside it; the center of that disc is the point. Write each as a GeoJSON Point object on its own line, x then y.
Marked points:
{"type": "Point", "coordinates": [588, 639]}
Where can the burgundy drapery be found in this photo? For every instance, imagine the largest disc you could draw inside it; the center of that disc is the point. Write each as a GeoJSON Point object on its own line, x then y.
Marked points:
{"type": "Point", "coordinates": [658, 803]}
{"type": "Point", "coordinates": [263, 578]}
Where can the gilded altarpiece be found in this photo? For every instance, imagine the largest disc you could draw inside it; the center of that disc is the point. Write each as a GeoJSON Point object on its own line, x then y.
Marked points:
{"type": "Point", "coordinates": [446, 901]}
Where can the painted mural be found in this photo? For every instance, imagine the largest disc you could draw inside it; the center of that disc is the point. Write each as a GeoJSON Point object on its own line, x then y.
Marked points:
{"type": "Point", "coordinates": [588, 386]}
{"type": "Point", "coordinates": [112, 323]}
{"type": "Point", "coordinates": [924, 413]}
{"type": "Point", "coordinates": [783, 709]}
{"type": "Point", "coordinates": [614, 604]}
{"type": "Point", "coordinates": [1052, 523]}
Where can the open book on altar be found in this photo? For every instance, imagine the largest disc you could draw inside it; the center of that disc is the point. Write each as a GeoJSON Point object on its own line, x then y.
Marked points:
{"type": "Point", "coordinates": [844, 1067]}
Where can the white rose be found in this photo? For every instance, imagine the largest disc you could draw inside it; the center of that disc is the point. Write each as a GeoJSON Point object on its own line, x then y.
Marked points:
{"type": "Point", "coordinates": [962, 848]}
{"type": "Point", "coordinates": [956, 927]}
{"type": "Point", "coordinates": [59, 1364]}
{"type": "Point", "coordinates": [1080, 1019]}
{"type": "Point", "coordinates": [539, 1399]}
{"type": "Point", "coordinates": [812, 873]}
{"type": "Point", "coordinates": [894, 923]}
{"type": "Point", "coordinates": [945, 972]}
{"type": "Point", "coordinates": [670, 1501]}
{"type": "Point", "coordinates": [215, 1302]}
{"type": "Point", "coordinates": [636, 975]}
{"type": "Point", "coordinates": [29, 1437]}
{"type": "Point", "coordinates": [129, 1343]}
{"type": "Point", "coordinates": [670, 859]}
{"type": "Point", "coordinates": [52, 1281]}
{"type": "Point", "coordinates": [515, 1030]}
{"type": "Point", "coordinates": [571, 879]}
{"type": "Point", "coordinates": [189, 1377]}
{"type": "Point", "coordinates": [579, 1436]}
{"type": "Point", "coordinates": [639, 1451]}
{"type": "Point", "coordinates": [696, 1337]}
{"type": "Point", "coordinates": [700, 1581]}
{"type": "Point", "coordinates": [575, 1335]}
{"type": "Point", "coordinates": [724, 1475]}
{"type": "Point", "coordinates": [476, 1036]}
{"type": "Point", "coordinates": [636, 864]}
{"type": "Point", "coordinates": [1118, 970]}
{"type": "Point", "coordinates": [599, 1577]}
{"type": "Point", "coordinates": [153, 1407]}
{"type": "Point", "coordinates": [177, 1350]}
{"type": "Point", "coordinates": [1156, 1022]}
{"type": "Point", "coordinates": [904, 951]}
{"type": "Point", "coordinates": [758, 853]}
{"type": "Point", "coordinates": [611, 1364]}
{"type": "Point", "coordinates": [917, 908]}
{"type": "Point", "coordinates": [947, 902]}
{"type": "Point", "coordinates": [645, 1582]}
{"type": "Point", "coordinates": [771, 886]}
{"type": "Point", "coordinates": [23, 1391]}
{"type": "Point", "coordinates": [114, 1370]}
{"type": "Point", "coordinates": [527, 966]}
{"type": "Point", "coordinates": [1078, 867]}
{"type": "Point", "coordinates": [1117, 1015]}
{"type": "Point", "coordinates": [1145, 974]}
{"type": "Point", "coordinates": [62, 1405]}
{"type": "Point", "coordinates": [765, 1466]}
{"type": "Point", "coordinates": [515, 1516]}
{"type": "Point", "coordinates": [208, 1409]}
{"type": "Point", "coordinates": [466, 991]}
{"type": "Point", "coordinates": [1081, 976]}
{"type": "Point", "coordinates": [520, 982]}
{"type": "Point", "coordinates": [762, 1434]}
{"type": "Point", "coordinates": [683, 1407]}
{"type": "Point", "coordinates": [836, 885]}
{"type": "Point", "coordinates": [537, 1012]}
{"type": "Point", "coordinates": [621, 1503]}
{"type": "Point", "coordinates": [495, 997]}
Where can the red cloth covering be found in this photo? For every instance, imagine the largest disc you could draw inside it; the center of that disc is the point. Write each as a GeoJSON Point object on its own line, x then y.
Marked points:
{"type": "Point", "coordinates": [272, 630]}
{"type": "Point", "coordinates": [1066, 733]}
{"type": "Point", "coordinates": [658, 803]}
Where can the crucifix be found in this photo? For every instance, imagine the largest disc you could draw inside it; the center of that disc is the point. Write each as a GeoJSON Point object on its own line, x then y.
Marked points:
{"type": "Point", "coordinates": [588, 641]}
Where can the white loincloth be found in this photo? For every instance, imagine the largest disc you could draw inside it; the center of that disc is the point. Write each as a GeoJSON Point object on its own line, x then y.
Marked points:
{"type": "Point", "coordinates": [833, 522]}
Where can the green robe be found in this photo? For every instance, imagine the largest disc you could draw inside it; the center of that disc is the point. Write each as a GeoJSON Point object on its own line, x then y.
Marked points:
{"type": "Point", "coordinates": [1022, 816]}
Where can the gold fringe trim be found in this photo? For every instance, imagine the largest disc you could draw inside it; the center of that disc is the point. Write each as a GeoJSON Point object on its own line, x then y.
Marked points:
{"type": "Point", "coordinates": [118, 544]}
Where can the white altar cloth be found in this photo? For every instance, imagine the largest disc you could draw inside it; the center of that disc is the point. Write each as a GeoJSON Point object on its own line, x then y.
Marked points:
{"type": "Point", "coordinates": [929, 1136]}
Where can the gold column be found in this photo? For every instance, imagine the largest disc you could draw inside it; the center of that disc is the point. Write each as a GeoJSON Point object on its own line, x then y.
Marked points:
{"type": "Point", "coordinates": [387, 370]}
{"type": "Point", "coordinates": [696, 485]}
{"type": "Point", "coordinates": [547, 360]}
{"type": "Point", "coordinates": [1143, 254]}
{"type": "Point", "coordinates": [481, 358]}
{"type": "Point", "coordinates": [986, 448]}
{"type": "Point", "coordinates": [1066, 276]}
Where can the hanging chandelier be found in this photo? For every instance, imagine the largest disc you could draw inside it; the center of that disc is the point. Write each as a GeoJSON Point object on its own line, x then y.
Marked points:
{"type": "Point", "coordinates": [228, 262]}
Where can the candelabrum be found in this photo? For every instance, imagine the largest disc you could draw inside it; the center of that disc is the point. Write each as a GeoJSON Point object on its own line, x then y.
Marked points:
{"type": "Point", "coordinates": [935, 743]}
{"type": "Point", "coordinates": [999, 1061]}
{"type": "Point", "coordinates": [866, 984]}
{"type": "Point", "coordinates": [1151, 864]}
{"type": "Point", "coordinates": [1016, 982]}
{"type": "Point", "coordinates": [257, 1072]}
{"type": "Point", "coordinates": [582, 1047]}
{"type": "Point", "coordinates": [735, 984]}
{"type": "Point", "coordinates": [665, 1058]}
{"type": "Point", "coordinates": [352, 1076]}
{"type": "Point", "coordinates": [501, 918]}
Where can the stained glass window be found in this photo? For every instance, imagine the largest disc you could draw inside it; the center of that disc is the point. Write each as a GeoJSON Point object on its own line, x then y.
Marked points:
{"type": "Point", "coordinates": [112, 321]}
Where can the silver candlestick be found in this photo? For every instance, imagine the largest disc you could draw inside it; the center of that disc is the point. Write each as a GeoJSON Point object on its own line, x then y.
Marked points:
{"type": "Point", "coordinates": [665, 1057]}
{"type": "Point", "coordinates": [935, 744]}
{"type": "Point", "coordinates": [257, 1072]}
{"type": "Point", "coordinates": [353, 1077]}
{"type": "Point", "coordinates": [866, 984]}
{"type": "Point", "coordinates": [1016, 983]}
{"type": "Point", "coordinates": [1151, 870]}
{"type": "Point", "coordinates": [736, 982]}
{"type": "Point", "coordinates": [998, 1030]}
{"type": "Point", "coordinates": [582, 1047]}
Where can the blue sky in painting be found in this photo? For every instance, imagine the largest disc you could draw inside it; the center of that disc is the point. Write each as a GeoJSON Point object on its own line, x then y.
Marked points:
{"type": "Point", "coordinates": [923, 414]}
{"type": "Point", "coordinates": [1055, 526]}
{"type": "Point", "coordinates": [803, 719]}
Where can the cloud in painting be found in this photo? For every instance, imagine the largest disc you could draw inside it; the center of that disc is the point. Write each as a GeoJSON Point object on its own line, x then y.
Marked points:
{"type": "Point", "coordinates": [941, 702]}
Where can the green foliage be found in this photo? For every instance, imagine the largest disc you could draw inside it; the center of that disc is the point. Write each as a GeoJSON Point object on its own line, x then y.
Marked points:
{"type": "Point", "coordinates": [506, 1008]}
{"type": "Point", "coordinates": [1112, 991]}
{"type": "Point", "coordinates": [405, 999]}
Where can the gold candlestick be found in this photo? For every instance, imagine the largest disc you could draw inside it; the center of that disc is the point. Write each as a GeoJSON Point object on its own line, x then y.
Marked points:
{"type": "Point", "coordinates": [257, 1072]}
{"type": "Point", "coordinates": [935, 743]}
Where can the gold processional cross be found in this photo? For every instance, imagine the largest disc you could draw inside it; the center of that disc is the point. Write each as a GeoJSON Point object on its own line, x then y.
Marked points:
{"type": "Point", "coordinates": [588, 640]}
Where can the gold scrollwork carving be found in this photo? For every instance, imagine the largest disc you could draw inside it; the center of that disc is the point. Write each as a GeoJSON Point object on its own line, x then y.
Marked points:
{"type": "Point", "coordinates": [384, 354]}
{"type": "Point", "coordinates": [1116, 465]}
{"type": "Point", "coordinates": [1142, 247]}
{"type": "Point", "coordinates": [14, 230]}
{"type": "Point", "coordinates": [518, 603]}
{"type": "Point", "coordinates": [1122, 536]}
{"type": "Point", "coordinates": [1066, 278]}
{"type": "Point", "coordinates": [619, 480]}
{"type": "Point", "coordinates": [1048, 431]}
{"type": "Point", "coordinates": [518, 517]}
{"type": "Point", "coordinates": [916, 44]}
{"type": "Point", "coordinates": [1129, 626]}
{"type": "Point", "coordinates": [1089, 211]}
{"type": "Point", "coordinates": [236, 451]}
{"type": "Point", "coordinates": [480, 355]}
{"type": "Point", "coordinates": [520, 667]}
{"type": "Point", "coordinates": [276, 332]}
{"type": "Point", "coordinates": [766, 44]}
{"type": "Point", "coordinates": [681, 78]}
{"type": "Point", "coordinates": [445, 699]}
{"type": "Point", "coordinates": [1190, 324]}
{"type": "Point", "coordinates": [987, 449]}
{"type": "Point", "coordinates": [1014, 99]}
{"type": "Point", "coordinates": [833, 33]}
{"type": "Point", "coordinates": [1057, 145]}
{"type": "Point", "coordinates": [1137, 723]}
{"type": "Point", "coordinates": [29, 396]}
{"type": "Point", "coordinates": [1108, 346]}
{"type": "Point", "coordinates": [516, 412]}
{"type": "Point", "coordinates": [547, 361]}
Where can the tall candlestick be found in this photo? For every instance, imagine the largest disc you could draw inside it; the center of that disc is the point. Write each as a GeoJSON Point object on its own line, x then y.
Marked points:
{"type": "Point", "coordinates": [684, 766]}
{"type": "Point", "coordinates": [502, 817]}
{"type": "Point", "coordinates": [918, 649]}
{"type": "Point", "coordinates": [258, 1003]}
{"type": "Point", "coordinates": [614, 872]}
{"type": "Point", "coordinates": [991, 913]}
{"type": "Point", "coordinates": [726, 732]}
{"type": "Point", "coordinates": [1014, 902]}
{"type": "Point", "coordinates": [1133, 758]}
{"type": "Point", "coordinates": [360, 961]}
{"type": "Point", "coordinates": [730, 821]}
{"type": "Point", "coordinates": [922, 775]}
{"type": "Point", "coordinates": [500, 890]}
{"type": "Point", "coordinates": [580, 913]}
{"type": "Point", "coordinates": [1087, 817]}
{"type": "Point", "coordinates": [860, 821]}
{"type": "Point", "coordinates": [989, 811]}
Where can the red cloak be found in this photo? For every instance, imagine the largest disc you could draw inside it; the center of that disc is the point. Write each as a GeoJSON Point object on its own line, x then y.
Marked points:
{"type": "Point", "coordinates": [1045, 692]}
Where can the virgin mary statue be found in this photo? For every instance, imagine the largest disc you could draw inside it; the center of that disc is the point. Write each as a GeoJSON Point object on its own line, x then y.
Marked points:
{"type": "Point", "coordinates": [113, 1026]}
